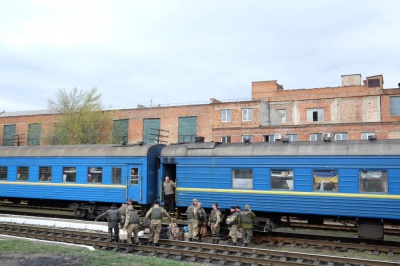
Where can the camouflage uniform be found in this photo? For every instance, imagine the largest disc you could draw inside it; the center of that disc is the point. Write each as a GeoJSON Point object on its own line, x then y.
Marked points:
{"type": "Point", "coordinates": [246, 218]}
{"type": "Point", "coordinates": [173, 231]}
{"type": "Point", "coordinates": [122, 211]}
{"type": "Point", "coordinates": [232, 222]}
{"type": "Point", "coordinates": [132, 224]}
{"type": "Point", "coordinates": [214, 220]}
{"type": "Point", "coordinates": [201, 214]}
{"type": "Point", "coordinates": [193, 222]}
{"type": "Point", "coordinates": [155, 214]}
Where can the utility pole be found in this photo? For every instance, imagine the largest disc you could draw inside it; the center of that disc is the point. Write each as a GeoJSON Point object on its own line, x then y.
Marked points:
{"type": "Point", "coordinates": [17, 139]}
{"type": "Point", "coordinates": [158, 135]}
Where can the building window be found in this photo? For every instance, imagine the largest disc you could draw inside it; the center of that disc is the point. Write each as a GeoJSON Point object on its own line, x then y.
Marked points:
{"type": "Point", "coordinates": [69, 174]}
{"type": "Point", "coordinates": [269, 138]}
{"type": "Point", "coordinates": [364, 135]}
{"type": "Point", "coordinates": [242, 178]}
{"type": "Point", "coordinates": [226, 115]}
{"type": "Point", "coordinates": [325, 180]}
{"type": "Point", "coordinates": [3, 172]}
{"type": "Point", "coordinates": [34, 134]}
{"type": "Point", "coordinates": [23, 173]}
{"type": "Point", "coordinates": [373, 181]}
{"type": "Point", "coordinates": [247, 138]}
{"type": "Point", "coordinates": [315, 115]}
{"type": "Point", "coordinates": [226, 139]}
{"type": "Point", "coordinates": [395, 105]}
{"type": "Point", "coordinates": [95, 175]}
{"type": "Point", "coordinates": [134, 176]}
{"type": "Point", "coordinates": [282, 179]}
{"type": "Point", "coordinates": [283, 116]}
{"type": "Point", "coordinates": [315, 137]}
{"type": "Point", "coordinates": [45, 173]}
{"type": "Point", "coordinates": [247, 114]}
{"type": "Point", "coordinates": [341, 136]}
{"type": "Point", "coordinates": [120, 131]}
{"type": "Point", "coordinates": [116, 175]}
{"type": "Point", "coordinates": [9, 136]}
{"type": "Point", "coordinates": [292, 137]}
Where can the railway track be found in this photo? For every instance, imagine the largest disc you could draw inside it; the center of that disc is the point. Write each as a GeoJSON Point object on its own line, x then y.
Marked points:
{"type": "Point", "coordinates": [187, 251]}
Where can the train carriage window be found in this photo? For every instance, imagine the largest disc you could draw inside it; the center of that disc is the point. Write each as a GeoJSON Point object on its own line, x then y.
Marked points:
{"type": "Point", "coordinates": [242, 178]}
{"type": "Point", "coordinates": [134, 176]}
{"type": "Point", "coordinates": [23, 173]}
{"type": "Point", "coordinates": [69, 174]}
{"type": "Point", "coordinates": [325, 180]}
{"type": "Point", "coordinates": [95, 175]}
{"type": "Point", "coordinates": [282, 179]}
{"type": "Point", "coordinates": [45, 173]}
{"type": "Point", "coordinates": [373, 181]}
{"type": "Point", "coordinates": [3, 172]}
{"type": "Point", "coordinates": [116, 175]}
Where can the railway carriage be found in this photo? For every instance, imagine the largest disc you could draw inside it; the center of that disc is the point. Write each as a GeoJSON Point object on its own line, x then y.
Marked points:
{"type": "Point", "coordinates": [342, 180]}
{"type": "Point", "coordinates": [87, 178]}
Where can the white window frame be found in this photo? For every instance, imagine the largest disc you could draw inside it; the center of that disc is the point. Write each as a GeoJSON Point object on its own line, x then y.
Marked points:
{"type": "Point", "coordinates": [292, 137]}
{"type": "Point", "coordinates": [225, 139]}
{"type": "Point", "coordinates": [247, 114]}
{"type": "Point", "coordinates": [315, 136]}
{"type": "Point", "coordinates": [283, 116]}
{"type": "Point", "coordinates": [364, 135]}
{"type": "Point", "coordinates": [341, 136]}
{"type": "Point", "coordinates": [320, 114]}
{"type": "Point", "coordinates": [242, 178]}
{"type": "Point", "coordinates": [226, 115]}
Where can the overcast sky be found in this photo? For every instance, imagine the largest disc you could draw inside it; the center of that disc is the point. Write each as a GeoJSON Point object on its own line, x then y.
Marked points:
{"type": "Point", "coordinates": [175, 52]}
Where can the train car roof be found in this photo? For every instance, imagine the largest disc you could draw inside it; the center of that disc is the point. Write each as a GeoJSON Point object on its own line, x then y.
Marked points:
{"type": "Point", "coordinates": [298, 148]}
{"type": "Point", "coordinates": [76, 150]}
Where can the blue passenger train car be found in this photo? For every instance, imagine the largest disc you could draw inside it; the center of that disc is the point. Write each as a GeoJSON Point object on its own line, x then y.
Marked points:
{"type": "Point", "coordinates": [339, 179]}
{"type": "Point", "coordinates": [86, 177]}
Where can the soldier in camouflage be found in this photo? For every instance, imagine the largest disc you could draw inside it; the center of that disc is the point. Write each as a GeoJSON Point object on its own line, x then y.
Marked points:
{"type": "Point", "coordinates": [232, 223]}
{"type": "Point", "coordinates": [114, 218]}
{"type": "Point", "coordinates": [201, 215]}
{"type": "Point", "coordinates": [132, 224]}
{"type": "Point", "coordinates": [213, 222]}
{"type": "Point", "coordinates": [192, 220]}
{"type": "Point", "coordinates": [246, 219]}
{"type": "Point", "coordinates": [155, 214]}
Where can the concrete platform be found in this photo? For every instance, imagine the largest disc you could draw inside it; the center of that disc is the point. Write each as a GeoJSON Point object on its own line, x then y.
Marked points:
{"type": "Point", "coordinates": [55, 222]}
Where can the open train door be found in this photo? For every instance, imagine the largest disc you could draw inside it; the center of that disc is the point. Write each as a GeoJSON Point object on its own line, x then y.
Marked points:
{"type": "Point", "coordinates": [167, 170]}
{"type": "Point", "coordinates": [134, 183]}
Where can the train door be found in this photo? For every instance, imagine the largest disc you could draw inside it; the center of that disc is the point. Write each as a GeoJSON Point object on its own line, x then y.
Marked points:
{"type": "Point", "coordinates": [170, 171]}
{"type": "Point", "coordinates": [134, 183]}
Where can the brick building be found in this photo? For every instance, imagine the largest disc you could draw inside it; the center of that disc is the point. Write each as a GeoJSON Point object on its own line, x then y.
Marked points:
{"type": "Point", "coordinates": [354, 110]}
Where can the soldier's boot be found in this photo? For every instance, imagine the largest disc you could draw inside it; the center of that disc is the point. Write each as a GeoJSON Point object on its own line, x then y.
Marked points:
{"type": "Point", "coordinates": [212, 241]}
{"type": "Point", "coordinates": [150, 243]}
{"type": "Point", "coordinates": [190, 239]}
{"type": "Point", "coordinates": [199, 238]}
{"type": "Point", "coordinates": [117, 239]}
{"type": "Point", "coordinates": [216, 241]}
{"type": "Point", "coordinates": [109, 238]}
{"type": "Point", "coordinates": [233, 244]}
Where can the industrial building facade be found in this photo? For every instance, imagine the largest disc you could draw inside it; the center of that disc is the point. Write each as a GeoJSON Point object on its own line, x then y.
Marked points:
{"type": "Point", "coordinates": [355, 110]}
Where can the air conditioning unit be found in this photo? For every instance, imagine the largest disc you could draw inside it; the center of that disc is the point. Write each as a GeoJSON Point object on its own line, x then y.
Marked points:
{"type": "Point", "coordinates": [277, 136]}
{"type": "Point", "coordinates": [327, 136]}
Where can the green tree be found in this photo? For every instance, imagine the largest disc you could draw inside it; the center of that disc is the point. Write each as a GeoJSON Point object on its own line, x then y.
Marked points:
{"type": "Point", "coordinates": [83, 119]}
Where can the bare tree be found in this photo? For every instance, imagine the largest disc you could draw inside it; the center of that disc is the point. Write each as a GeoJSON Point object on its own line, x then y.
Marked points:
{"type": "Point", "coordinates": [83, 119]}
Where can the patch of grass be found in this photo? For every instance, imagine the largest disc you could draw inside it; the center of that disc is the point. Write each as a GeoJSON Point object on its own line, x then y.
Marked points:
{"type": "Point", "coordinates": [90, 257]}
